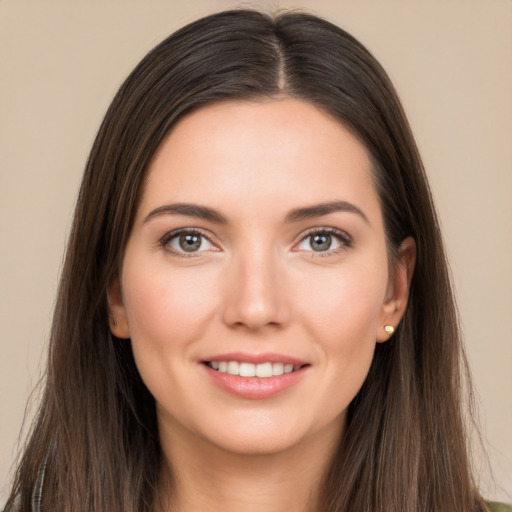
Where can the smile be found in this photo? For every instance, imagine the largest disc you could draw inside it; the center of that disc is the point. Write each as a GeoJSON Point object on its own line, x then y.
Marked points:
{"type": "Point", "coordinates": [255, 376]}
{"type": "Point", "coordinates": [245, 369]}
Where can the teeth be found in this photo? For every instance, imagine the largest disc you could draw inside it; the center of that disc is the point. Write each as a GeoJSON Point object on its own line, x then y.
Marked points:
{"type": "Point", "coordinates": [277, 368]}
{"type": "Point", "coordinates": [247, 370]}
{"type": "Point", "coordinates": [234, 368]}
{"type": "Point", "coordinates": [263, 370]}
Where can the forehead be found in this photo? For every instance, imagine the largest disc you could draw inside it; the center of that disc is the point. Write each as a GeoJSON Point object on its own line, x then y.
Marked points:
{"type": "Point", "coordinates": [259, 153]}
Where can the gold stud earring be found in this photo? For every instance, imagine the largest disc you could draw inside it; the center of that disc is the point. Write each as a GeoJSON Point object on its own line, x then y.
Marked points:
{"type": "Point", "coordinates": [389, 329]}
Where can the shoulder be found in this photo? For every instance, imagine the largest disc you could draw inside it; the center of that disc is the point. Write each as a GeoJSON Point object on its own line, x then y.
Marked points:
{"type": "Point", "coordinates": [498, 507]}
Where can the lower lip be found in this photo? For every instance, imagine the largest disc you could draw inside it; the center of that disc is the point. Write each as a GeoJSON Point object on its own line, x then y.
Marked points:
{"type": "Point", "coordinates": [255, 387]}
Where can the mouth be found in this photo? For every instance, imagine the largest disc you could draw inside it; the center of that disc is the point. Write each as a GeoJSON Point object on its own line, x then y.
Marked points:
{"type": "Point", "coordinates": [255, 376]}
{"type": "Point", "coordinates": [245, 369]}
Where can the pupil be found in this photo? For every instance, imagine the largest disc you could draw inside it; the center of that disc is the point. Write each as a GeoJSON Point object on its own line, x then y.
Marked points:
{"type": "Point", "coordinates": [321, 242]}
{"type": "Point", "coordinates": [190, 242]}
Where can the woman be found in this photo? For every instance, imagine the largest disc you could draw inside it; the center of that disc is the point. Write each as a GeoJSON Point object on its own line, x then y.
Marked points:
{"type": "Point", "coordinates": [255, 311]}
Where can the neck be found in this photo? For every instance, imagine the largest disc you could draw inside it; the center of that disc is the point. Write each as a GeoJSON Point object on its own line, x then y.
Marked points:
{"type": "Point", "coordinates": [206, 478]}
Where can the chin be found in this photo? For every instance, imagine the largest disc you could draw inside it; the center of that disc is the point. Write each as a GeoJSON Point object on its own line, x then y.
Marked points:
{"type": "Point", "coordinates": [262, 443]}
{"type": "Point", "coordinates": [265, 435]}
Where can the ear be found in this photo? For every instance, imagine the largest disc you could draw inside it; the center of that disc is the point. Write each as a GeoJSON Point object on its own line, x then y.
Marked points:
{"type": "Point", "coordinates": [398, 290]}
{"type": "Point", "coordinates": [118, 319]}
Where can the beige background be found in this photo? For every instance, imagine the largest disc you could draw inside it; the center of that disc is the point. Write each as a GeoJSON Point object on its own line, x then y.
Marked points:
{"type": "Point", "coordinates": [61, 62]}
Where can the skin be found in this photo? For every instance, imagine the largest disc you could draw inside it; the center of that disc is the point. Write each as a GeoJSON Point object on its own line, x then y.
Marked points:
{"type": "Point", "coordinates": [256, 285]}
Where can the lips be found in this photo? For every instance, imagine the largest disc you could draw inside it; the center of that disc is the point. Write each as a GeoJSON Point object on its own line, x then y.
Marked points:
{"type": "Point", "coordinates": [244, 369]}
{"type": "Point", "coordinates": [255, 375]}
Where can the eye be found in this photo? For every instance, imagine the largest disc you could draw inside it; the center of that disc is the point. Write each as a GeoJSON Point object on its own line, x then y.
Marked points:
{"type": "Point", "coordinates": [185, 242]}
{"type": "Point", "coordinates": [325, 241]}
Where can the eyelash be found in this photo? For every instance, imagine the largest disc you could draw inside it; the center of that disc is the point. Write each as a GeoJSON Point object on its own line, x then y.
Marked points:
{"type": "Point", "coordinates": [343, 238]}
{"type": "Point", "coordinates": [168, 237]}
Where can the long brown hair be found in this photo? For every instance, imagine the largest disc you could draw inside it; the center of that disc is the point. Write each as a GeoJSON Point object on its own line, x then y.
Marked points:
{"type": "Point", "coordinates": [405, 444]}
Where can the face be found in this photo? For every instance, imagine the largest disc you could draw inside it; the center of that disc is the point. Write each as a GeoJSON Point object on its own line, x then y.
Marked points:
{"type": "Point", "coordinates": [255, 283]}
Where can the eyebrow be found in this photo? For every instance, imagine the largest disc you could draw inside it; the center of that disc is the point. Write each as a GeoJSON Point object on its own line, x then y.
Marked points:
{"type": "Point", "coordinates": [317, 210]}
{"type": "Point", "coordinates": [190, 210]}
{"type": "Point", "coordinates": [294, 216]}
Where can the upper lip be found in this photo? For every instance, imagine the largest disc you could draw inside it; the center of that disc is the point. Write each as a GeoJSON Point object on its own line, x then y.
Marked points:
{"type": "Point", "coordinates": [245, 357]}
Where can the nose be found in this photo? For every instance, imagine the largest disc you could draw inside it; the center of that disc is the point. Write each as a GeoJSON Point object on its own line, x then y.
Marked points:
{"type": "Point", "coordinates": [255, 292]}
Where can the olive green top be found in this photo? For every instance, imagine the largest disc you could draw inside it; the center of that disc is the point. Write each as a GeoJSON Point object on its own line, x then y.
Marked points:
{"type": "Point", "coordinates": [499, 507]}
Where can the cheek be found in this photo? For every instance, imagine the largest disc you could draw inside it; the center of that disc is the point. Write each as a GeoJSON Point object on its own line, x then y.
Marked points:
{"type": "Point", "coordinates": [167, 311]}
{"type": "Point", "coordinates": [345, 304]}
{"type": "Point", "coordinates": [341, 309]}
{"type": "Point", "coordinates": [159, 300]}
